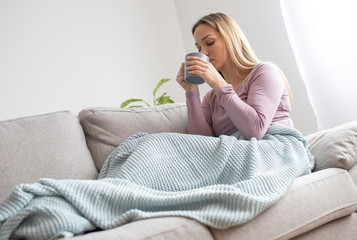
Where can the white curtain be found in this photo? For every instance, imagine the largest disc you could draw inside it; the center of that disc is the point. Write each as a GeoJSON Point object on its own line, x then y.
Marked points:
{"type": "Point", "coordinates": [323, 35]}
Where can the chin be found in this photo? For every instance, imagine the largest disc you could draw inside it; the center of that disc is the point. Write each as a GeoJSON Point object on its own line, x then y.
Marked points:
{"type": "Point", "coordinates": [214, 65]}
{"type": "Point", "coordinates": [218, 68]}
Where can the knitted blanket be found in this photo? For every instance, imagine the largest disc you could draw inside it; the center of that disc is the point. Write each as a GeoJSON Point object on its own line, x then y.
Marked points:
{"type": "Point", "coordinates": [221, 182]}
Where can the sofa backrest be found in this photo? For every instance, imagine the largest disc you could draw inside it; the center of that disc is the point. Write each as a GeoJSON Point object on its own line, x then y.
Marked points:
{"type": "Point", "coordinates": [106, 128]}
{"type": "Point", "coordinates": [46, 146]}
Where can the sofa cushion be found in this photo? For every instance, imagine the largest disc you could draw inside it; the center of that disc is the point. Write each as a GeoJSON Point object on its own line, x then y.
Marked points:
{"type": "Point", "coordinates": [342, 228]}
{"type": "Point", "coordinates": [51, 146]}
{"type": "Point", "coordinates": [313, 200]}
{"type": "Point", "coordinates": [106, 128]}
{"type": "Point", "coordinates": [155, 229]}
{"type": "Point", "coordinates": [335, 147]}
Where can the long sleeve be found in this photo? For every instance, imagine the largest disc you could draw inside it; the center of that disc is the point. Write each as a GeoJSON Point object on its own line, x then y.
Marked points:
{"type": "Point", "coordinates": [199, 118]}
{"type": "Point", "coordinates": [262, 96]}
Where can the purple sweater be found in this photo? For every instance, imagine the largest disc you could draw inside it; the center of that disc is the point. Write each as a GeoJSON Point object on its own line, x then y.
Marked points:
{"type": "Point", "coordinates": [262, 98]}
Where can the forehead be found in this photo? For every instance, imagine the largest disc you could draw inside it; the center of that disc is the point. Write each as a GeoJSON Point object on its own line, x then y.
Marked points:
{"type": "Point", "coordinates": [202, 31]}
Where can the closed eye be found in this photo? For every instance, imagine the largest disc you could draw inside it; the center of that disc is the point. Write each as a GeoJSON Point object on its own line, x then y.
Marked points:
{"type": "Point", "coordinates": [210, 44]}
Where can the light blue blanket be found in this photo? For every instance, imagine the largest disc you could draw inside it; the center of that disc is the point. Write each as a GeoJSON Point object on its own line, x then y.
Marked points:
{"type": "Point", "coordinates": [221, 182]}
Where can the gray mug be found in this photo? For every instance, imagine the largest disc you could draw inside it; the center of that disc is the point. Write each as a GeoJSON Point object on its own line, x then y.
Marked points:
{"type": "Point", "coordinates": [192, 78]}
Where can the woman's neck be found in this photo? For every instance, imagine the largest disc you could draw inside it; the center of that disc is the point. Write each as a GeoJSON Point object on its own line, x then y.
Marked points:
{"type": "Point", "coordinates": [233, 78]}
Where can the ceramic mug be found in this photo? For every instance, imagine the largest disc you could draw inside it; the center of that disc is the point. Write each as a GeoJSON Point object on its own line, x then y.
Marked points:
{"type": "Point", "coordinates": [192, 78]}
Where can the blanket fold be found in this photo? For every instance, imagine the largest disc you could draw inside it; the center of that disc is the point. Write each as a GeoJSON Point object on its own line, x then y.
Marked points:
{"type": "Point", "coordinates": [221, 182]}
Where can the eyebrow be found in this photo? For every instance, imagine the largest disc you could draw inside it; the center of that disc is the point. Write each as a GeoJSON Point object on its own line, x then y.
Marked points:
{"type": "Point", "coordinates": [196, 44]}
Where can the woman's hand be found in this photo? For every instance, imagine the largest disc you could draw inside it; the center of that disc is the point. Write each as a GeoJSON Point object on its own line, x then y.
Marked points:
{"type": "Point", "coordinates": [180, 78]}
{"type": "Point", "coordinates": [205, 70]}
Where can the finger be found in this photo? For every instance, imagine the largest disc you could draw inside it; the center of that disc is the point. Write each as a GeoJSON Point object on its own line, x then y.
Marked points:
{"type": "Point", "coordinates": [181, 67]}
{"type": "Point", "coordinates": [196, 67]}
{"type": "Point", "coordinates": [181, 70]}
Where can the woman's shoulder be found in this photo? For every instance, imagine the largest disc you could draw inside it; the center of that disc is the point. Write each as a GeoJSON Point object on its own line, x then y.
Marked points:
{"type": "Point", "coordinates": [265, 70]}
{"type": "Point", "coordinates": [264, 73]}
{"type": "Point", "coordinates": [265, 67]}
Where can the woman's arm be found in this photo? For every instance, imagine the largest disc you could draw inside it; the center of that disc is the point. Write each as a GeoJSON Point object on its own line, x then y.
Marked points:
{"type": "Point", "coordinates": [199, 116]}
{"type": "Point", "coordinates": [264, 92]}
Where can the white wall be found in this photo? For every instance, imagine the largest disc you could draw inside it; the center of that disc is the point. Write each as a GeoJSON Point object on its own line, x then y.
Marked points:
{"type": "Point", "coordinates": [262, 22]}
{"type": "Point", "coordinates": [72, 54]}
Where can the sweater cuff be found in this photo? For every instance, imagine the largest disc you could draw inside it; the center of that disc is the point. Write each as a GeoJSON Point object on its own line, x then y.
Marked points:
{"type": "Point", "coordinates": [192, 94]}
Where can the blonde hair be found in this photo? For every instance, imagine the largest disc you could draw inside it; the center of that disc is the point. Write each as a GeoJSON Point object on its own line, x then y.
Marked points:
{"type": "Point", "coordinates": [238, 47]}
{"type": "Point", "coordinates": [236, 43]}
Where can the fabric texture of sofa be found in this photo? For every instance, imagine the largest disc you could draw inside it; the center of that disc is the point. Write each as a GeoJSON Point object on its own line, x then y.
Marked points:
{"type": "Point", "coordinates": [61, 145]}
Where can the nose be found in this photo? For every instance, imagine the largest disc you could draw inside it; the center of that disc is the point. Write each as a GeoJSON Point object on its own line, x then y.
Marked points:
{"type": "Point", "coordinates": [204, 51]}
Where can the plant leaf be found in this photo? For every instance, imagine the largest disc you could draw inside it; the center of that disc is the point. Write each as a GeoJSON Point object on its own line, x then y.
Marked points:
{"type": "Point", "coordinates": [159, 99]}
{"type": "Point", "coordinates": [136, 106]}
{"type": "Point", "coordinates": [146, 103]}
{"type": "Point", "coordinates": [162, 81]}
{"type": "Point", "coordinates": [163, 100]}
{"type": "Point", "coordinates": [127, 102]}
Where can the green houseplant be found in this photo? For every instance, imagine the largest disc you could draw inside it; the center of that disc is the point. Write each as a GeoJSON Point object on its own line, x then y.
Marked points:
{"type": "Point", "coordinates": [163, 99]}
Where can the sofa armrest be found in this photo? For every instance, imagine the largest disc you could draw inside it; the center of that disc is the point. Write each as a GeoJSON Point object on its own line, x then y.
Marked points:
{"type": "Point", "coordinates": [45, 146]}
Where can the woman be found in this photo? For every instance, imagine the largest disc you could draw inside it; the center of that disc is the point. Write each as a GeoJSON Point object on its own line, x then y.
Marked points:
{"type": "Point", "coordinates": [246, 95]}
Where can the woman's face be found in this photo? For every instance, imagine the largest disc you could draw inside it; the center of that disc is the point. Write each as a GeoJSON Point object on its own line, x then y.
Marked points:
{"type": "Point", "coordinates": [209, 42]}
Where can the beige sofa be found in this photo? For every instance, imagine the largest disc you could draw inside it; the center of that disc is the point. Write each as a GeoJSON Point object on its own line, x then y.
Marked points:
{"type": "Point", "coordinates": [61, 145]}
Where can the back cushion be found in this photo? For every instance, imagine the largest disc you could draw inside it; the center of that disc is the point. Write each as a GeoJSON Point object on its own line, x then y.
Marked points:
{"type": "Point", "coordinates": [46, 146]}
{"type": "Point", "coordinates": [334, 147]}
{"type": "Point", "coordinates": [106, 128]}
